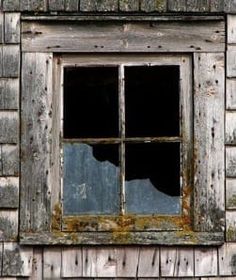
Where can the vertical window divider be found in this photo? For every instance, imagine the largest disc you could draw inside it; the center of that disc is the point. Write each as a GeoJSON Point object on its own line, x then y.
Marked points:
{"type": "Point", "coordinates": [122, 136]}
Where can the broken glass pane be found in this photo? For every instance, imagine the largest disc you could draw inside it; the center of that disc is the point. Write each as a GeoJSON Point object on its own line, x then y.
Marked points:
{"type": "Point", "coordinates": [152, 101]}
{"type": "Point", "coordinates": [153, 178]}
{"type": "Point", "coordinates": [91, 102]}
{"type": "Point", "coordinates": [91, 179]}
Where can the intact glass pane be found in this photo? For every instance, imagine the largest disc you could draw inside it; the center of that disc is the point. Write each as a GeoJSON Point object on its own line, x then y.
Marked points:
{"type": "Point", "coordinates": [91, 102]}
{"type": "Point", "coordinates": [152, 101]}
{"type": "Point", "coordinates": [152, 182]}
{"type": "Point", "coordinates": [90, 179]}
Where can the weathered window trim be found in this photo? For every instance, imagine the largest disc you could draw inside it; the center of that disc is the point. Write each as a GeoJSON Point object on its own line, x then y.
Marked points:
{"type": "Point", "coordinates": [40, 195]}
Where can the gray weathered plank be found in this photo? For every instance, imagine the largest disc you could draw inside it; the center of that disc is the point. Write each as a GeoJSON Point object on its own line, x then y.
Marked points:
{"type": "Point", "coordinates": [129, 5]}
{"type": "Point", "coordinates": [9, 94]}
{"type": "Point", "coordinates": [9, 127]}
{"type": "Point", "coordinates": [10, 160]}
{"type": "Point", "coordinates": [71, 262]}
{"type": "Point", "coordinates": [37, 264]}
{"type": "Point", "coordinates": [230, 130]}
{"type": "Point", "coordinates": [209, 142]}
{"type": "Point", "coordinates": [231, 94]}
{"type": "Point", "coordinates": [124, 37]}
{"type": "Point", "coordinates": [9, 192]}
{"type": "Point", "coordinates": [11, 5]}
{"type": "Point", "coordinates": [1, 255]}
{"type": "Point", "coordinates": [153, 6]}
{"type": "Point", "coordinates": [38, 5]}
{"type": "Point", "coordinates": [230, 6]}
{"type": "Point", "coordinates": [216, 6]}
{"type": "Point", "coordinates": [176, 5]}
{"type": "Point", "coordinates": [12, 28]}
{"type": "Point", "coordinates": [198, 5]}
{"type": "Point", "coordinates": [9, 225]}
{"type": "Point", "coordinates": [231, 193]}
{"type": "Point", "coordinates": [227, 260]}
{"type": "Point", "coordinates": [231, 29]}
{"type": "Point", "coordinates": [17, 261]}
{"type": "Point", "coordinates": [231, 162]}
{"type": "Point", "coordinates": [1, 27]}
{"type": "Point", "coordinates": [206, 262]}
{"type": "Point", "coordinates": [231, 61]}
{"type": "Point", "coordinates": [52, 263]}
{"type": "Point", "coordinates": [177, 262]}
{"type": "Point", "coordinates": [99, 6]}
{"type": "Point", "coordinates": [231, 226]}
{"type": "Point", "coordinates": [56, 5]}
{"type": "Point", "coordinates": [71, 5]}
{"type": "Point", "coordinates": [36, 139]}
{"type": "Point", "coordinates": [11, 61]}
{"type": "Point", "coordinates": [148, 263]}
{"type": "Point", "coordinates": [127, 258]}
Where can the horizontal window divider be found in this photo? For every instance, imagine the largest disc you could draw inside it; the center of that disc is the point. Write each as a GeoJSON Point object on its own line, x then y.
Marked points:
{"type": "Point", "coordinates": [163, 139]}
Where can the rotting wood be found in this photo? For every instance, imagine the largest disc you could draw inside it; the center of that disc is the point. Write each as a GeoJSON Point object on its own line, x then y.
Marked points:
{"type": "Point", "coordinates": [227, 260]}
{"type": "Point", "coordinates": [36, 141]}
{"type": "Point", "coordinates": [123, 238]}
{"type": "Point", "coordinates": [12, 28]}
{"type": "Point", "coordinates": [231, 194]}
{"type": "Point", "coordinates": [8, 225]}
{"type": "Point", "coordinates": [206, 262]}
{"type": "Point", "coordinates": [230, 225]}
{"type": "Point", "coordinates": [9, 192]}
{"type": "Point", "coordinates": [9, 94]}
{"type": "Point", "coordinates": [9, 127]}
{"type": "Point", "coordinates": [17, 261]}
{"type": "Point", "coordinates": [231, 162]}
{"type": "Point", "coordinates": [52, 263]}
{"type": "Point", "coordinates": [230, 131]}
{"type": "Point", "coordinates": [123, 37]}
{"type": "Point", "coordinates": [231, 94]}
{"type": "Point", "coordinates": [177, 262]}
{"type": "Point", "coordinates": [209, 142]}
{"type": "Point", "coordinates": [11, 61]}
{"type": "Point", "coordinates": [9, 160]}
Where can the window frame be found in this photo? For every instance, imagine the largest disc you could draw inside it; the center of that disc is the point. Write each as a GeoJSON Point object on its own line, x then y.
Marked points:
{"type": "Point", "coordinates": [40, 211]}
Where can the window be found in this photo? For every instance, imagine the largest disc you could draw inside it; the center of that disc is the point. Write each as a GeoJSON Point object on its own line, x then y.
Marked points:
{"type": "Point", "coordinates": [106, 157]}
{"type": "Point", "coordinates": [126, 141]}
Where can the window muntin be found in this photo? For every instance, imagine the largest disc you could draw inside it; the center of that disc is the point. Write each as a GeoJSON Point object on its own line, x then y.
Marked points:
{"type": "Point", "coordinates": [169, 203]}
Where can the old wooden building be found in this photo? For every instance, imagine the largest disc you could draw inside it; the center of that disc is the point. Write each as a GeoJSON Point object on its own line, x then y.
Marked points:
{"type": "Point", "coordinates": [118, 139]}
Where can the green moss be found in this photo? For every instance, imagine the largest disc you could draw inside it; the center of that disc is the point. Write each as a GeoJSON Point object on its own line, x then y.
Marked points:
{"type": "Point", "coordinates": [232, 201]}
{"type": "Point", "coordinates": [231, 233]}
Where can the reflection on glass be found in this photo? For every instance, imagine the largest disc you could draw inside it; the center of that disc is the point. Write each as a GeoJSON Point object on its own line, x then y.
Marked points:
{"type": "Point", "coordinates": [152, 178]}
{"type": "Point", "coordinates": [90, 181]}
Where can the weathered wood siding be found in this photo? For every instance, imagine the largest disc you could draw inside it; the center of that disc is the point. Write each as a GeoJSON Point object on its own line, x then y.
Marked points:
{"type": "Point", "coordinates": [157, 262]}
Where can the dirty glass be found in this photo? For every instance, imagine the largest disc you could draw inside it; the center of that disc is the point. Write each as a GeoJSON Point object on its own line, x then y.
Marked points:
{"type": "Point", "coordinates": [90, 179]}
{"type": "Point", "coordinates": [153, 178]}
{"type": "Point", "coordinates": [152, 101]}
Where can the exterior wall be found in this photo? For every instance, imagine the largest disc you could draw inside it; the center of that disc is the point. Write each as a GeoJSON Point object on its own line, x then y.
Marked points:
{"type": "Point", "coordinates": [99, 262]}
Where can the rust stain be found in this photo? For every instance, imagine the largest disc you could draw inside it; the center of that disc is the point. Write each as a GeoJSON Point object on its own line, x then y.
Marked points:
{"type": "Point", "coordinates": [56, 218]}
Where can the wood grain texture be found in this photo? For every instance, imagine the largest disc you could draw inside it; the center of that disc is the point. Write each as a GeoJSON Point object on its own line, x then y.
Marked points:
{"type": "Point", "coordinates": [9, 160]}
{"type": "Point", "coordinates": [231, 194]}
{"type": "Point", "coordinates": [148, 262]}
{"type": "Point", "coordinates": [9, 127]}
{"type": "Point", "coordinates": [227, 260]}
{"type": "Point", "coordinates": [230, 6]}
{"type": "Point", "coordinates": [1, 27]}
{"type": "Point", "coordinates": [198, 5]}
{"type": "Point", "coordinates": [10, 61]}
{"type": "Point", "coordinates": [231, 94]}
{"type": "Point", "coordinates": [71, 262]}
{"type": "Point", "coordinates": [128, 5]}
{"type": "Point", "coordinates": [9, 93]}
{"type": "Point", "coordinates": [231, 61]}
{"type": "Point", "coordinates": [209, 142]}
{"type": "Point", "coordinates": [123, 37]}
{"type": "Point", "coordinates": [216, 6]}
{"type": "Point", "coordinates": [11, 5]}
{"type": "Point", "coordinates": [206, 262]}
{"type": "Point", "coordinates": [177, 5]}
{"type": "Point", "coordinates": [71, 5]}
{"type": "Point", "coordinates": [56, 5]}
{"type": "Point", "coordinates": [231, 226]}
{"type": "Point", "coordinates": [153, 6]}
{"type": "Point", "coordinates": [17, 261]}
{"type": "Point", "coordinates": [37, 264]}
{"type": "Point", "coordinates": [177, 262]}
{"type": "Point", "coordinates": [36, 141]}
{"type": "Point", "coordinates": [12, 28]}
{"type": "Point", "coordinates": [230, 130]}
{"type": "Point", "coordinates": [231, 162]}
{"type": "Point", "coordinates": [99, 6]}
{"type": "Point", "coordinates": [52, 263]}
{"type": "Point", "coordinates": [231, 29]}
{"type": "Point", "coordinates": [9, 225]}
{"type": "Point", "coordinates": [9, 192]}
